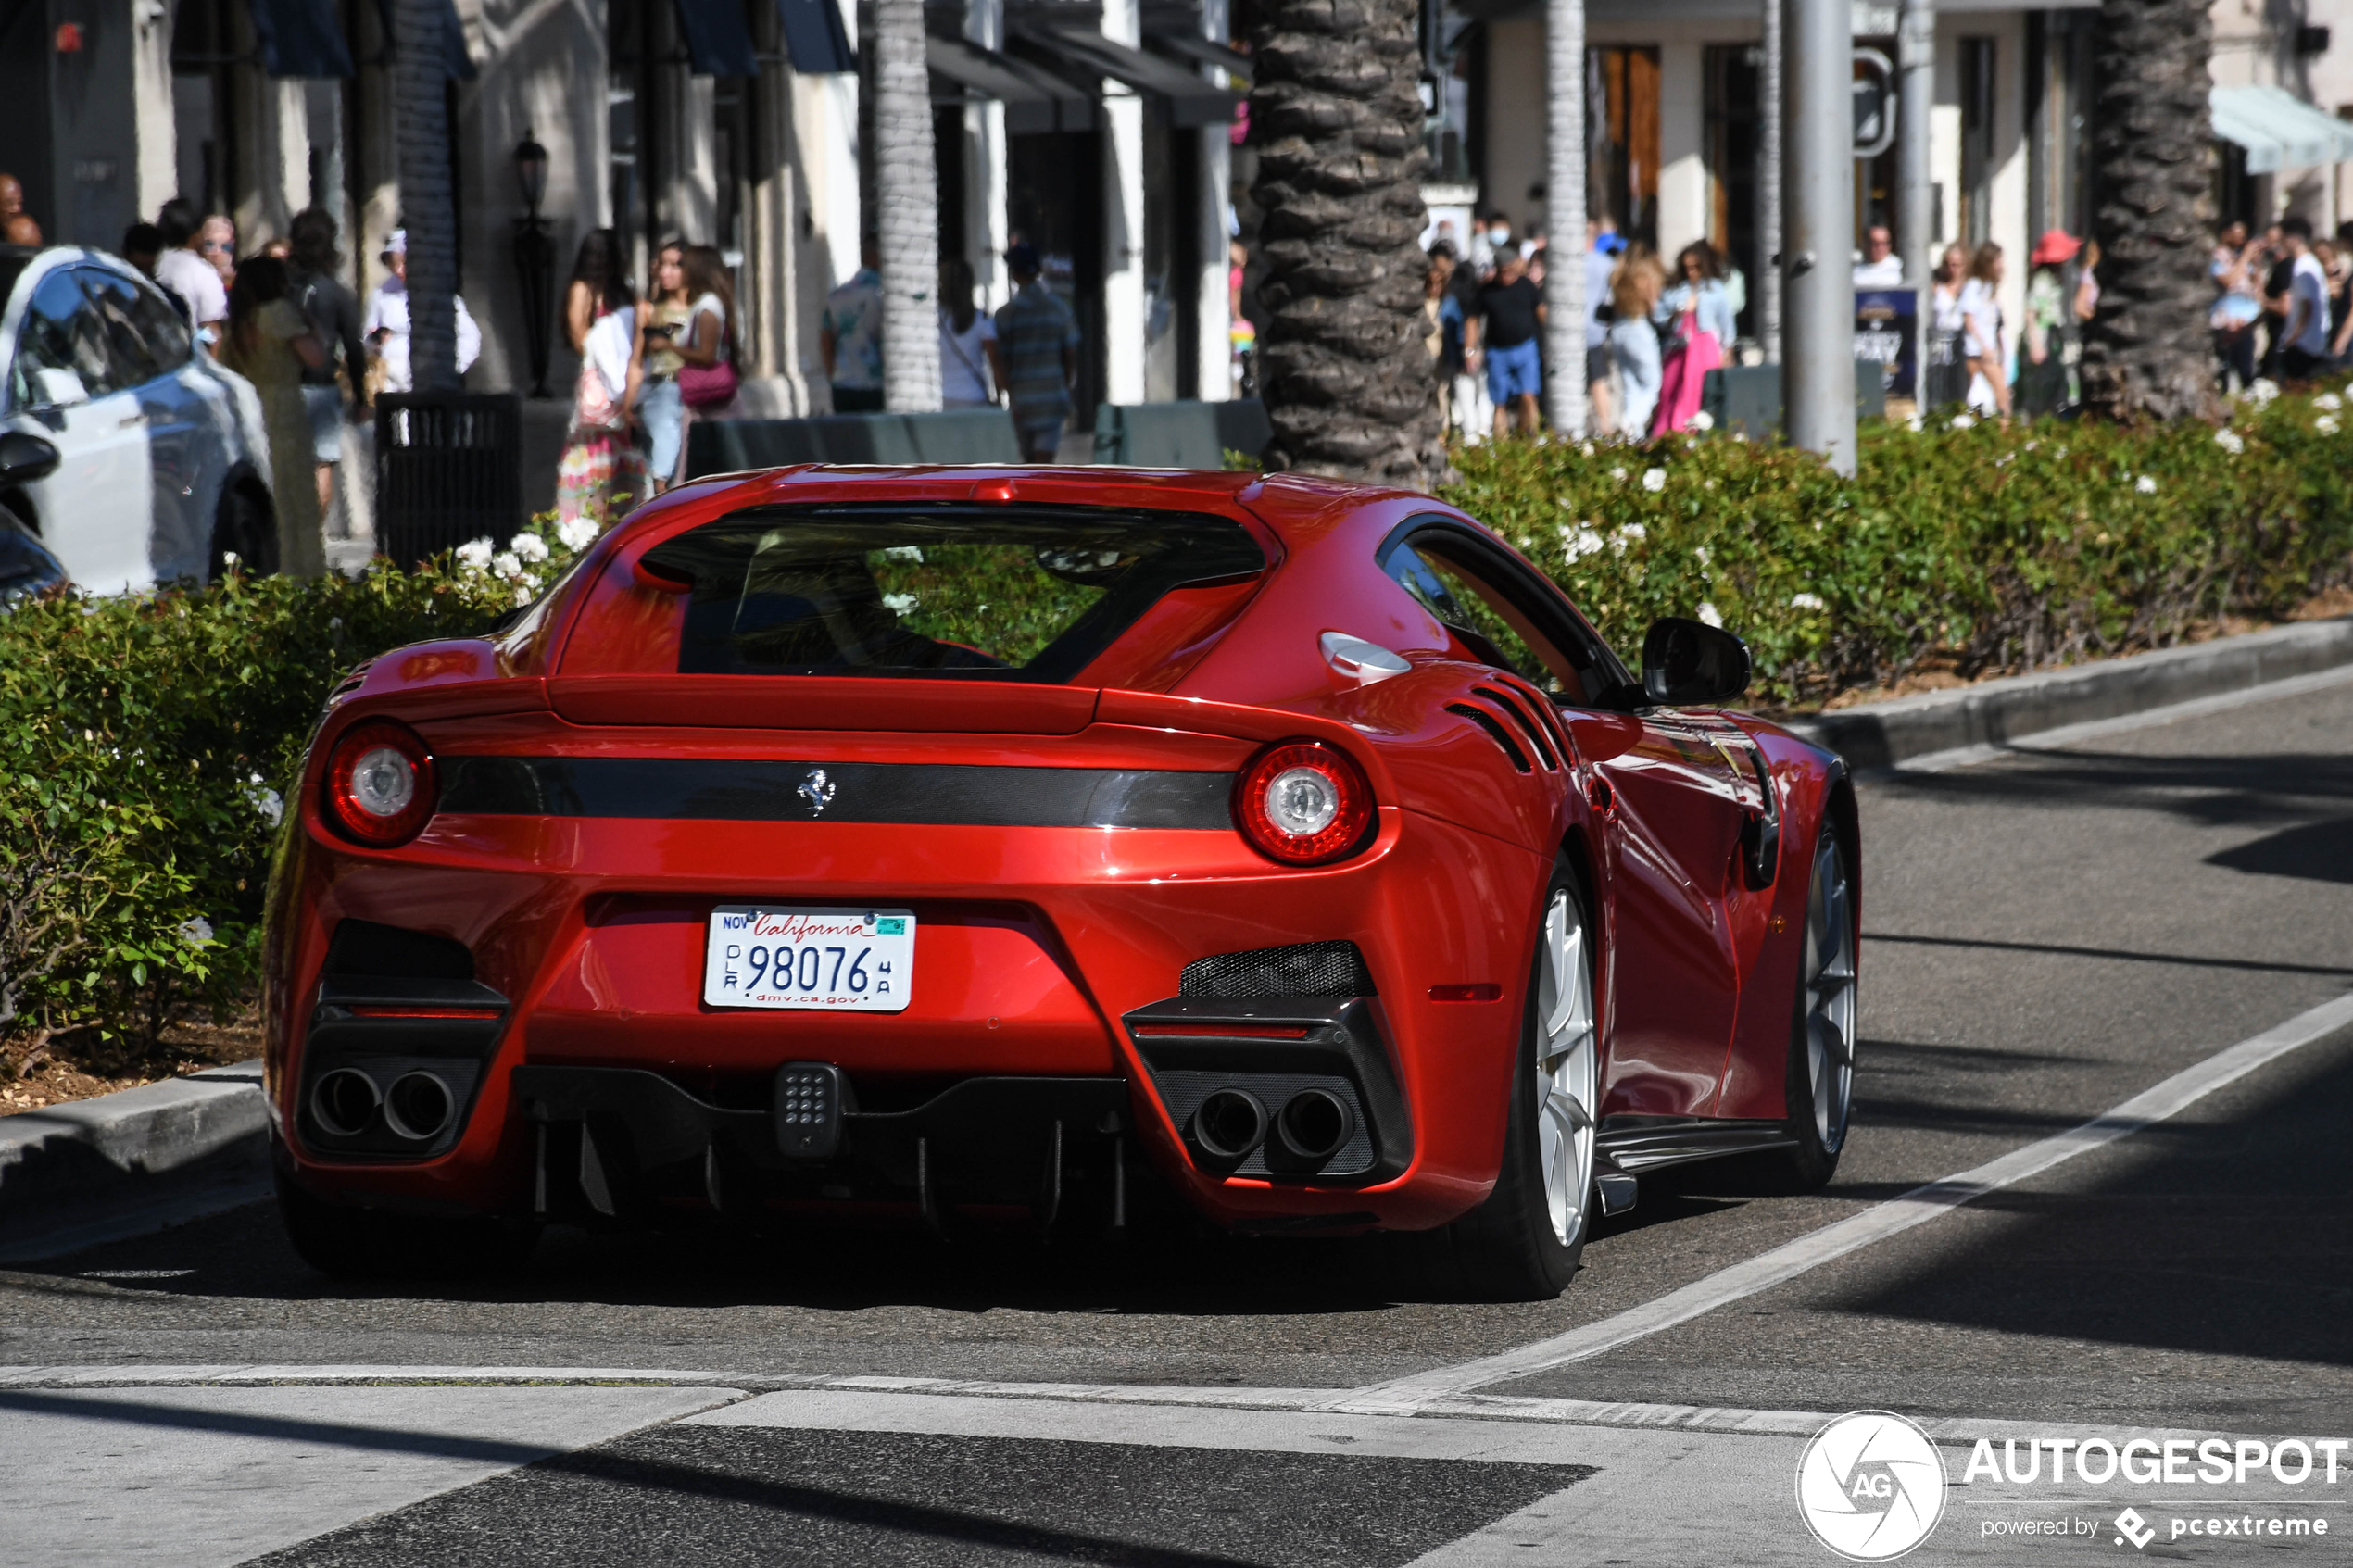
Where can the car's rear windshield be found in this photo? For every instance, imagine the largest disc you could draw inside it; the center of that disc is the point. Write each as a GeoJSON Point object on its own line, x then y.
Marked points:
{"type": "Point", "coordinates": [983, 592]}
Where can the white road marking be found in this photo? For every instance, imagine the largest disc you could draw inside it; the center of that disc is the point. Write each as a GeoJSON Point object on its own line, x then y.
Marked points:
{"type": "Point", "coordinates": [1785, 1262]}
{"type": "Point", "coordinates": [2067, 735]}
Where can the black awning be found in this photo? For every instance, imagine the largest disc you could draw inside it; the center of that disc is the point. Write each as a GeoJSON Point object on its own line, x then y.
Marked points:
{"type": "Point", "coordinates": [718, 42]}
{"type": "Point", "coordinates": [1035, 100]}
{"type": "Point", "coordinates": [456, 64]}
{"type": "Point", "coordinates": [1201, 51]}
{"type": "Point", "coordinates": [1189, 100]}
{"type": "Point", "coordinates": [301, 37]}
{"type": "Point", "coordinates": [815, 38]}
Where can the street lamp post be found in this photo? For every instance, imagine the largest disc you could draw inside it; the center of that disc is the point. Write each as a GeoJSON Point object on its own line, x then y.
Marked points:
{"type": "Point", "coordinates": [534, 259]}
{"type": "Point", "coordinates": [1818, 345]}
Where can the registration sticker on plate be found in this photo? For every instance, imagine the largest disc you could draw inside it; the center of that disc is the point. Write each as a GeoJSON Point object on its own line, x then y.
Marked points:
{"type": "Point", "coordinates": [853, 960]}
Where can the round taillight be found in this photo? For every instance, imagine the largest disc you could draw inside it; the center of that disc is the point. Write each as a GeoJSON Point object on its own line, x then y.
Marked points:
{"type": "Point", "coordinates": [1302, 803]}
{"type": "Point", "coordinates": [380, 784]}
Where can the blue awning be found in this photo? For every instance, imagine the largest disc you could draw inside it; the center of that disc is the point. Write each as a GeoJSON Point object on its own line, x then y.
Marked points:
{"type": "Point", "coordinates": [301, 37]}
{"type": "Point", "coordinates": [718, 42]}
{"type": "Point", "coordinates": [2278, 129]}
{"type": "Point", "coordinates": [814, 37]}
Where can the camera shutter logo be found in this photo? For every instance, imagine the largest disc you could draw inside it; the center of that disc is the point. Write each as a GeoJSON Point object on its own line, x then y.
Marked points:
{"type": "Point", "coordinates": [1870, 1485]}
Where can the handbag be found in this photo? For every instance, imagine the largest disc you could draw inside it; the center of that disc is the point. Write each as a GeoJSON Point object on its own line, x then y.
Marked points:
{"type": "Point", "coordinates": [708, 386]}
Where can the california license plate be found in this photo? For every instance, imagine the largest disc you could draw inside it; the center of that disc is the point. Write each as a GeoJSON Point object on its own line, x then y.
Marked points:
{"type": "Point", "coordinates": [846, 961]}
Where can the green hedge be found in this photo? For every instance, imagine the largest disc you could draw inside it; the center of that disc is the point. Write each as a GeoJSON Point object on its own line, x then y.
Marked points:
{"type": "Point", "coordinates": [1998, 549]}
{"type": "Point", "coordinates": [146, 742]}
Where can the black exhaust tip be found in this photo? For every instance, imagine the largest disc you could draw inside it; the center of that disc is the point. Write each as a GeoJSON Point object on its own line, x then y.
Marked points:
{"type": "Point", "coordinates": [1313, 1126]}
{"type": "Point", "coordinates": [418, 1105]}
{"type": "Point", "coordinates": [1229, 1123]}
{"type": "Point", "coordinates": [344, 1103]}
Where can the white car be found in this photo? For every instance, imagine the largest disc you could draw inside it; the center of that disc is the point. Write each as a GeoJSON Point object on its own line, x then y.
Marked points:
{"type": "Point", "coordinates": [130, 456]}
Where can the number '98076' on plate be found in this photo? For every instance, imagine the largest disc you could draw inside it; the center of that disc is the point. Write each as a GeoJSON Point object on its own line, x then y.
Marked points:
{"type": "Point", "coordinates": [855, 960]}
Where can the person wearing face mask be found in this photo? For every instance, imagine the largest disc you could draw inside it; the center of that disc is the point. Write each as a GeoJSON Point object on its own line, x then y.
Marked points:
{"type": "Point", "coordinates": [1490, 244]}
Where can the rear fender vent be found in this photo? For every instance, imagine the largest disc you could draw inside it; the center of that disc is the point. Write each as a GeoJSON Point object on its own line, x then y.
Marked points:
{"type": "Point", "coordinates": [1496, 732]}
{"type": "Point", "coordinates": [1306, 969]}
{"type": "Point", "coordinates": [1546, 714]}
{"type": "Point", "coordinates": [1511, 704]}
{"type": "Point", "coordinates": [362, 947]}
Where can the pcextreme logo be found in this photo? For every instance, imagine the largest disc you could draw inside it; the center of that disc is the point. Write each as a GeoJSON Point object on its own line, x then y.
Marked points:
{"type": "Point", "coordinates": [1870, 1485]}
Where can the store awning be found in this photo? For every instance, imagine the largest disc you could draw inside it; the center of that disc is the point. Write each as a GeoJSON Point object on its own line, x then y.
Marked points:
{"type": "Point", "coordinates": [1190, 102]}
{"type": "Point", "coordinates": [301, 37]}
{"type": "Point", "coordinates": [456, 64]}
{"type": "Point", "coordinates": [718, 40]}
{"type": "Point", "coordinates": [1203, 51]}
{"type": "Point", "coordinates": [814, 37]}
{"type": "Point", "coordinates": [1035, 100]}
{"type": "Point", "coordinates": [2278, 129]}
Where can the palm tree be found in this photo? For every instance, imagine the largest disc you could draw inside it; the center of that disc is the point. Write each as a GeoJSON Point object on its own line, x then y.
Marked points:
{"type": "Point", "coordinates": [906, 209]}
{"type": "Point", "coordinates": [421, 129]}
{"type": "Point", "coordinates": [1566, 308]}
{"type": "Point", "coordinates": [2148, 351]}
{"type": "Point", "coordinates": [1336, 112]}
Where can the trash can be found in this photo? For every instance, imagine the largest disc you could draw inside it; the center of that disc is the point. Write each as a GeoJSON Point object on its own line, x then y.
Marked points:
{"type": "Point", "coordinates": [448, 469]}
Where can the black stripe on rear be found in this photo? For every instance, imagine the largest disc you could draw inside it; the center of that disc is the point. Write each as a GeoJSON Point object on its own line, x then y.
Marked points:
{"type": "Point", "coordinates": [720, 789]}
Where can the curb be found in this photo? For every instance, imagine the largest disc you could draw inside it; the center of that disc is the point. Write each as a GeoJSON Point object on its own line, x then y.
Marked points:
{"type": "Point", "coordinates": [1992, 714]}
{"type": "Point", "coordinates": [91, 1171]}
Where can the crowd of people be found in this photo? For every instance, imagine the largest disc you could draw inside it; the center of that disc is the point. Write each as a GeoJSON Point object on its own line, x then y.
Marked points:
{"type": "Point", "coordinates": [2283, 302]}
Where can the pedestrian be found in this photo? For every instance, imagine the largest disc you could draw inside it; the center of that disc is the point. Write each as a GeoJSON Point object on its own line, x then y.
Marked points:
{"type": "Point", "coordinates": [1603, 248]}
{"type": "Point", "coordinates": [2304, 334]}
{"type": "Point", "coordinates": [2238, 303]}
{"type": "Point", "coordinates": [709, 383]}
{"type": "Point", "coordinates": [2275, 269]}
{"type": "Point", "coordinates": [2050, 325]}
{"type": "Point", "coordinates": [601, 470]}
{"type": "Point", "coordinates": [333, 314]}
{"type": "Point", "coordinates": [1490, 242]}
{"type": "Point", "coordinates": [1881, 267]}
{"type": "Point", "coordinates": [1634, 289]}
{"type": "Point", "coordinates": [2336, 258]}
{"type": "Point", "coordinates": [17, 226]}
{"type": "Point", "coordinates": [971, 368]}
{"type": "Point", "coordinates": [1698, 322]}
{"type": "Point", "coordinates": [1985, 348]}
{"type": "Point", "coordinates": [1948, 379]}
{"type": "Point", "coordinates": [269, 344]}
{"type": "Point", "coordinates": [1038, 338]}
{"type": "Point", "coordinates": [849, 337]}
{"type": "Point", "coordinates": [1502, 337]}
{"type": "Point", "coordinates": [385, 326]}
{"type": "Point", "coordinates": [2087, 285]}
{"type": "Point", "coordinates": [1443, 312]}
{"type": "Point", "coordinates": [143, 247]}
{"type": "Point", "coordinates": [653, 395]}
{"type": "Point", "coordinates": [216, 243]}
{"type": "Point", "coordinates": [186, 273]}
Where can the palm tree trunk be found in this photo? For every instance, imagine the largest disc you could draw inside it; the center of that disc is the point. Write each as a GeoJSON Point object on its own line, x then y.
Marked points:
{"type": "Point", "coordinates": [1337, 114]}
{"type": "Point", "coordinates": [422, 135]}
{"type": "Point", "coordinates": [1566, 308]}
{"type": "Point", "coordinates": [907, 209]}
{"type": "Point", "coordinates": [2149, 352]}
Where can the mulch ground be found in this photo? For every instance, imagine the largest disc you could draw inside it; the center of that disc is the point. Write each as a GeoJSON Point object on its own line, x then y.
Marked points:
{"type": "Point", "coordinates": [46, 1068]}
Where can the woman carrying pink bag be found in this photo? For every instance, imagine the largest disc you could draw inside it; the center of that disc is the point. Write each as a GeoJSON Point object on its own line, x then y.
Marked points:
{"type": "Point", "coordinates": [1697, 319]}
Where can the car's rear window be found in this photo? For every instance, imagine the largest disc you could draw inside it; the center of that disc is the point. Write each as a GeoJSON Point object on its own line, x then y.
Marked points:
{"type": "Point", "coordinates": [985, 592]}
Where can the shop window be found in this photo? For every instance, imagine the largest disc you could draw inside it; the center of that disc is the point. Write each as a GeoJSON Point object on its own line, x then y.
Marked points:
{"type": "Point", "coordinates": [1622, 105]}
{"type": "Point", "coordinates": [1732, 142]}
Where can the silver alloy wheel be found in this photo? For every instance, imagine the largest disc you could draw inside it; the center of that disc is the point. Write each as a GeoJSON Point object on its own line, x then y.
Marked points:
{"type": "Point", "coordinates": [1830, 995]}
{"type": "Point", "coordinates": [1567, 1074]}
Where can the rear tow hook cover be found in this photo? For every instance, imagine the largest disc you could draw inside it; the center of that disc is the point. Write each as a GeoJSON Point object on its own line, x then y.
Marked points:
{"type": "Point", "coordinates": [810, 1101]}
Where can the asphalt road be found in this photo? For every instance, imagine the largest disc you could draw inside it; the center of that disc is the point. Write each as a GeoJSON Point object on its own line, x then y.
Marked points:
{"type": "Point", "coordinates": [2046, 936]}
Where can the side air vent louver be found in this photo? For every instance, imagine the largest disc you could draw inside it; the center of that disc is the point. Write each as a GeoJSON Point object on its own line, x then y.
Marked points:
{"type": "Point", "coordinates": [1512, 703]}
{"type": "Point", "coordinates": [1496, 732]}
{"type": "Point", "coordinates": [1308, 969]}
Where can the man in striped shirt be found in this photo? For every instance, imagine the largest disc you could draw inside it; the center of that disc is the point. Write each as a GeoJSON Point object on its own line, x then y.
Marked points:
{"type": "Point", "coordinates": [1039, 340]}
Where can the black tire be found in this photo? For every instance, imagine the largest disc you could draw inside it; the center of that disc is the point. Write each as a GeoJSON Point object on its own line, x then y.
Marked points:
{"type": "Point", "coordinates": [1509, 1249]}
{"type": "Point", "coordinates": [1822, 1019]}
{"type": "Point", "coordinates": [345, 1242]}
{"type": "Point", "coordinates": [243, 525]}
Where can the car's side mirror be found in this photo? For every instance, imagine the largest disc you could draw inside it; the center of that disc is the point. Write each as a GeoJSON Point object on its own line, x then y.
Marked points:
{"type": "Point", "coordinates": [25, 457]}
{"type": "Point", "coordinates": [1692, 664]}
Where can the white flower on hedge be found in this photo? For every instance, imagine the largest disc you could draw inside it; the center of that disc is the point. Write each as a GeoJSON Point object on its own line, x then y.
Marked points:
{"type": "Point", "coordinates": [1700, 553]}
{"type": "Point", "coordinates": [1579, 542]}
{"type": "Point", "coordinates": [504, 564]}
{"type": "Point", "coordinates": [1654, 480]}
{"type": "Point", "coordinates": [230, 559]}
{"type": "Point", "coordinates": [1710, 614]}
{"type": "Point", "coordinates": [1913, 424]}
{"type": "Point", "coordinates": [195, 931]}
{"type": "Point", "coordinates": [905, 552]}
{"type": "Point", "coordinates": [2230, 441]}
{"type": "Point", "coordinates": [1586, 447]}
{"type": "Point", "coordinates": [2329, 402]}
{"type": "Point", "coordinates": [1963, 421]}
{"type": "Point", "coordinates": [523, 595]}
{"type": "Point", "coordinates": [2145, 485]}
{"type": "Point", "coordinates": [528, 546]}
{"type": "Point", "coordinates": [1619, 475]}
{"type": "Point", "coordinates": [577, 534]}
{"type": "Point", "coordinates": [1807, 601]}
{"type": "Point", "coordinates": [1703, 421]}
{"type": "Point", "coordinates": [901, 604]}
{"type": "Point", "coordinates": [2261, 390]}
{"type": "Point", "coordinates": [474, 554]}
{"type": "Point", "coordinates": [264, 801]}
{"type": "Point", "coordinates": [1632, 534]}
{"type": "Point", "coordinates": [2325, 424]}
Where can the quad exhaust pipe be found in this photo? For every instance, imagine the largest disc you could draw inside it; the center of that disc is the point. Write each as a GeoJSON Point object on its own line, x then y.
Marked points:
{"type": "Point", "coordinates": [1313, 1126]}
{"type": "Point", "coordinates": [345, 1102]}
{"type": "Point", "coordinates": [418, 1107]}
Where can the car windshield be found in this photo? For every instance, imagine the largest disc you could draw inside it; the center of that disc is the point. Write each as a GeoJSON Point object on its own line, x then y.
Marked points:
{"type": "Point", "coordinates": [988, 592]}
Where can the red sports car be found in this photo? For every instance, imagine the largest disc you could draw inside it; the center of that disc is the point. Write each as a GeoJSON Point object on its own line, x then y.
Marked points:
{"type": "Point", "coordinates": [978, 844]}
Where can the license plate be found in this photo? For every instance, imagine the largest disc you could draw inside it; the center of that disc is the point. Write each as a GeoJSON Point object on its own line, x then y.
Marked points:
{"type": "Point", "coordinates": [840, 960]}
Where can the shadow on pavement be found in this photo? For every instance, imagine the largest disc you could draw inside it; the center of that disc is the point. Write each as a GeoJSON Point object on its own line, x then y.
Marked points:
{"type": "Point", "coordinates": [2316, 851]}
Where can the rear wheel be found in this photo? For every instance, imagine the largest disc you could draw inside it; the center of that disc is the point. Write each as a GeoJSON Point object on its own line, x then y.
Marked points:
{"type": "Point", "coordinates": [1523, 1244]}
{"type": "Point", "coordinates": [243, 526]}
{"type": "Point", "coordinates": [1820, 1086]}
{"type": "Point", "coordinates": [346, 1242]}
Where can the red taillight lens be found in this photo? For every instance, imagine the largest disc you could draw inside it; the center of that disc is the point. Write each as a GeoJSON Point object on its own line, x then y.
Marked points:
{"type": "Point", "coordinates": [1302, 802]}
{"type": "Point", "coordinates": [380, 784]}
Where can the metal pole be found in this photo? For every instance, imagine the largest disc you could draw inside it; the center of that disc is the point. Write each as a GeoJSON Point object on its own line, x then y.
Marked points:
{"type": "Point", "coordinates": [1769, 186]}
{"type": "Point", "coordinates": [1915, 187]}
{"type": "Point", "coordinates": [1566, 308]}
{"type": "Point", "coordinates": [1818, 356]}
